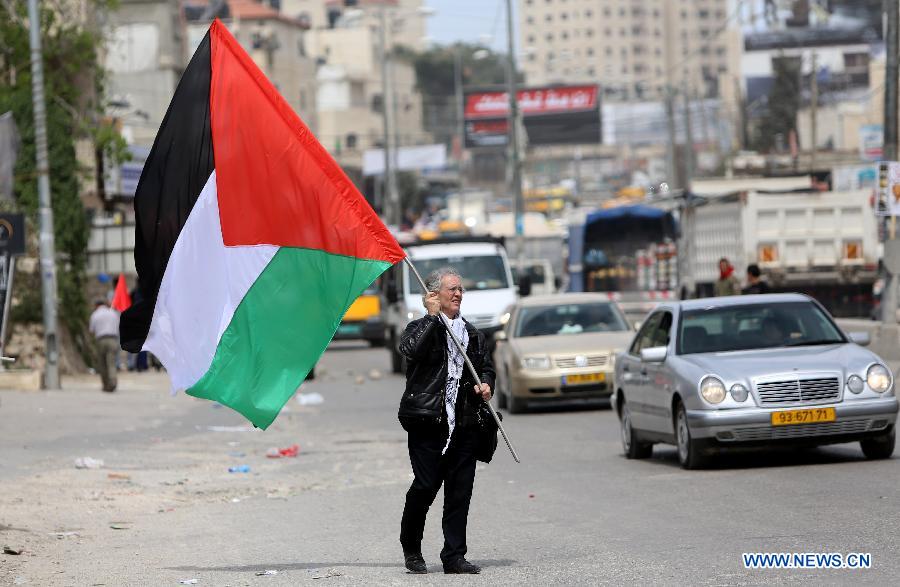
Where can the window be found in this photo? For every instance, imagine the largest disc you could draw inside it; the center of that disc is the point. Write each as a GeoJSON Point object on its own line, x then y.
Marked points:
{"type": "Point", "coordinates": [607, 12]}
{"type": "Point", "coordinates": [549, 36]}
{"type": "Point", "coordinates": [564, 35]}
{"type": "Point", "coordinates": [564, 16]}
{"type": "Point", "coordinates": [590, 51]}
{"type": "Point", "coordinates": [530, 20]}
{"type": "Point", "coordinates": [644, 337]}
{"type": "Point", "coordinates": [590, 71]}
{"type": "Point", "coordinates": [589, 32]}
{"type": "Point", "coordinates": [549, 18]}
{"type": "Point", "coordinates": [588, 13]}
{"type": "Point", "coordinates": [703, 13]}
{"type": "Point", "coordinates": [352, 140]}
{"type": "Point", "coordinates": [531, 39]}
{"type": "Point", "coordinates": [609, 51]}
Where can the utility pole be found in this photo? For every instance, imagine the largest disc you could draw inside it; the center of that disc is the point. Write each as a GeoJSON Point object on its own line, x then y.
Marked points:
{"type": "Point", "coordinates": [814, 105]}
{"type": "Point", "coordinates": [460, 126]}
{"type": "Point", "coordinates": [671, 170]}
{"type": "Point", "coordinates": [891, 245]}
{"type": "Point", "coordinates": [391, 194]}
{"type": "Point", "coordinates": [688, 140]}
{"type": "Point", "coordinates": [515, 163]}
{"type": "Point", "coordinates": [45, 210]}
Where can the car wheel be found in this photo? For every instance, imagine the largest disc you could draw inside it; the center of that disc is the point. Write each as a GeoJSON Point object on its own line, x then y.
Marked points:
{"type": "Point", "coordinates": [376, 343]}
{"type": "Point", "coordinates": [396, 358]}
{"type": "Point", "coordinates": [312, 374]}
{"type": "Point", "coordinates": [879, 447]}
{"type": "Point", "coordinates": [500, 393]}
{"type": "Point", "coordinates": [514, 404]}
{"type": "Point", "coordinates": [689, 453]}
{"type": "Point", "coordinates": [633, 448]}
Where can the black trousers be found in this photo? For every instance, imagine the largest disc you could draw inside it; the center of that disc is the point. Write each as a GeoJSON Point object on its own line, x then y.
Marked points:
{"type": "Point", "coordinates": [456, 470]}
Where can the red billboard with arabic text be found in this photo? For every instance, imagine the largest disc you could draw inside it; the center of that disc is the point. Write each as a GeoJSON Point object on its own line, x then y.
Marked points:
{"type": "Point", "coordinates": [551, 115]}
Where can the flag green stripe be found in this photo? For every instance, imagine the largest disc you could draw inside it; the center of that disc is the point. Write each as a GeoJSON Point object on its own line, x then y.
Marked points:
{"type": "Point", "coordinates": [281, 328]}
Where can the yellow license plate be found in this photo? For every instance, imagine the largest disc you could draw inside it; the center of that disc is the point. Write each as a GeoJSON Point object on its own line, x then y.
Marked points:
{"type": "Point", "coordinates": [811, 416]}
{"type": "Point", "coordinates": [584, 378]}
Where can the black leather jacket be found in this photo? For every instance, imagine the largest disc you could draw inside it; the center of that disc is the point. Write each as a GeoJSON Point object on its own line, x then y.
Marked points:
{"type": "Point", "coordinates": [424, 344]}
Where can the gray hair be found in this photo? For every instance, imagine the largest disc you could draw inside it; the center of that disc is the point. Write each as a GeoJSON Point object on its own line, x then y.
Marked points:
{"type": "Point", "coordinates": [436, 277]}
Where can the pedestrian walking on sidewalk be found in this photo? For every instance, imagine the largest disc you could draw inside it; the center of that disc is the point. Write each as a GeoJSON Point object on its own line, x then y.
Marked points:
{"type": "Point", "coordinates": [439, 411]}
{"type": "Point", "coordinates": [104, 325]}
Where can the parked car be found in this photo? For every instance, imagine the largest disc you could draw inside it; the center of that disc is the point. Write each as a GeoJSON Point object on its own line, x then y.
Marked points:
{"type": "Point", "coordinates": [559, 346]}
{"type": "Point", "coordinates": [363, 319]}
{"type": "Point", "coordinates": [745, 371]}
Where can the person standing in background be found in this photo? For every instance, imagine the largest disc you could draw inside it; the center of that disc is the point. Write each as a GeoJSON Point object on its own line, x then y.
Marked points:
{"type": "Point", "coordinates": [727, 284]}
{"type": "Point", "coordinates": [104, 325]}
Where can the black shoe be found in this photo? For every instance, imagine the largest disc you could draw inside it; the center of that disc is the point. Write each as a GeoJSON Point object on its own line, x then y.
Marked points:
{"type": "Point", "coordinates": [461, 567]}
{"type": "Point", "coordinates": [415, 564]}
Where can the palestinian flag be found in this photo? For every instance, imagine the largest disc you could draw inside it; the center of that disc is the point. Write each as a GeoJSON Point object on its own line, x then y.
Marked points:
{"type": "Point", "coordinates": [250, 242]}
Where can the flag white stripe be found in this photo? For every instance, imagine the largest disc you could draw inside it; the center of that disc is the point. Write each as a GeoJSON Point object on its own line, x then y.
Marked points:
{"type": "Point", "coordinates": [202, 286]}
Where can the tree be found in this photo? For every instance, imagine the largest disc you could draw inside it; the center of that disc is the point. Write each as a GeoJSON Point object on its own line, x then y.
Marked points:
{"type": "Point", "coordinates": [783, 104]}
{"type": "Point", "coordinates": [73, 86]}
{"type": "Point", "coordinates": [435, 80]}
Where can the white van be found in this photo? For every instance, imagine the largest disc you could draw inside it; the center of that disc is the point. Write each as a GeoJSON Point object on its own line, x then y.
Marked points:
{"type": "Point", "coordinates": [486, 276]}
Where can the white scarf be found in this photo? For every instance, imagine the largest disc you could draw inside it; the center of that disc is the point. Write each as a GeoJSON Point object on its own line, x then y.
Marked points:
{"type": "Point", "coordinates": [455, 365]}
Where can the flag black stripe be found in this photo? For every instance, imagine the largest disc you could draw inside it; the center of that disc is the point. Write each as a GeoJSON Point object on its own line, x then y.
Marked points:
{"type": "Point", "coordinates": [178, 167]}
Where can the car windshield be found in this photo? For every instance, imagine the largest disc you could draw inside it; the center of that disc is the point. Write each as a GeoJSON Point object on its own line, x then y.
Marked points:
{"type": "Point", "coordinates": [569, 319]}
{"type": "Point", "coordinates": [755, 326]}
{"type": "Point", "coordinates": [478, 273]}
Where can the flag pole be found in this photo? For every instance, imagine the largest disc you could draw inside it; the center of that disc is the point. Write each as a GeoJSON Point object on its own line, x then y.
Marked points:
{"type": "Point", "coordinates": [462, 351]}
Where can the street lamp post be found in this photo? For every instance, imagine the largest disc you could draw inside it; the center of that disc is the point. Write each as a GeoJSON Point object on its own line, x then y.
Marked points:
{"type": "Point", "coordinates": [45, 210]}
{"type": "Point", "coordinates": [515, 164]}
{"type": "Point", "coordinates": [391, 194]}
{"type": "Point", "coordinates": [460, 127]}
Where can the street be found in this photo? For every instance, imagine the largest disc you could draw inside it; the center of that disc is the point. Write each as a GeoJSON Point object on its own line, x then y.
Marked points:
{"type": "Point", "coordinates": [163, 507]}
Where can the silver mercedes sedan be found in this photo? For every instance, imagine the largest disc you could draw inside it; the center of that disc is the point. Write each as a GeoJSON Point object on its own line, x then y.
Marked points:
{"type": "Point", "coordinates": [749, 371]}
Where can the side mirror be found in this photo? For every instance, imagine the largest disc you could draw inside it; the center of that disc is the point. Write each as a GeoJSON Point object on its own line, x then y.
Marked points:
{"type": "Point", "coordinates": [655, 354]}
{"type": "Point", "coordinates": [860, 338]}
{"type": "Point", "coordinates": [500, 335]}
{"type": "Point", "coordinates": [391, 293]}
{"type": "Point", "coordinates": [524, 286]}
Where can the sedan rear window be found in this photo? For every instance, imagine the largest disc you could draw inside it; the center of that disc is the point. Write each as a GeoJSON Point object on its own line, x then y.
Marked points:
{"type": "Point", "coordinates": [569, 319]}
{"type": "Point", "coordinates": [755, 326]}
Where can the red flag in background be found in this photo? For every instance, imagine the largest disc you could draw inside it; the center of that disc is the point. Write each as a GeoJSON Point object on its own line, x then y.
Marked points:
{"type": "Point", "coordinates": [121, 300]}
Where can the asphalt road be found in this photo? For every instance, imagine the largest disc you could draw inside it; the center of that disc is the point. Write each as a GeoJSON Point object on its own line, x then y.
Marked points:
{"type": "Point", "coordinates": [164, 508]}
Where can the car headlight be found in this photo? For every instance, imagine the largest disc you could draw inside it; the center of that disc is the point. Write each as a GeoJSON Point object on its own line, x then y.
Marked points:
{"type": "Point", "coordinates": [855, 384]}
{"type": "Point", "coordinates": [713, 390]}
{"type": "Point", "coordinates": [878, 378]}
{"type": "Point", "coordinates": [504, 319]}
{"type": "Point", "coordinates": [536, 363]}
{"type": "Point", "coordinates": [739, 392]}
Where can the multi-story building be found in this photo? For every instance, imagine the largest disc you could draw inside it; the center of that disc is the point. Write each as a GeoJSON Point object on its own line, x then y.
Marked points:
{"type": "Point", "coordinates": [350, 99]}
{"type": "Point", "coordinates": [275, 42]}
{"type": "Point", "coordinates": [634, 48]}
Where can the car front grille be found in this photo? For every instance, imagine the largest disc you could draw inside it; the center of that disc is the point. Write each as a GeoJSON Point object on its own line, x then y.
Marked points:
{"type": "Point", "coordinates": [592, 361]}
{"type": "Point", "coordinates": [798, 391]}
{"type": "Point", "coordinates": [801, 430]}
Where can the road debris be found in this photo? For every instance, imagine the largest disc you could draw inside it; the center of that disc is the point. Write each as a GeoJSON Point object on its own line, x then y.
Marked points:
{"type": "Point", "coordinates": [188, 581]}
{"type": "Point", "coordinates": [11, 550]}
{"type": "Point", "coordinates": [328, 573]}
{"type": "Point", "coordinates": [359, 380]}
{"type": "Point", "coordinates": [229, 428]}
{"type": "Point", "coordinates": [120, 525]}
{"type": "Point", "coordinates": [88, 463]}
{"type": "Point", "coordinates": [277, 453]}
{"type": "Point", "coordinates": [62, 535]}
{"type": "Point", "coordinates": [239, 469]}
{"type": "Point", "coordinates": [310, 399]}
{"type": "Point", "coordinates": [375, 374]}
{"type": "Point", "coordinates": [120, 476]}
{"type": "Point", "coordinates": [267, 573]}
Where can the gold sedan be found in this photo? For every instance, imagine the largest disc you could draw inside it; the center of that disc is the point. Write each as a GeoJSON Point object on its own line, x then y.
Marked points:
{"type": "Point", "coordinates": [560, 346]}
